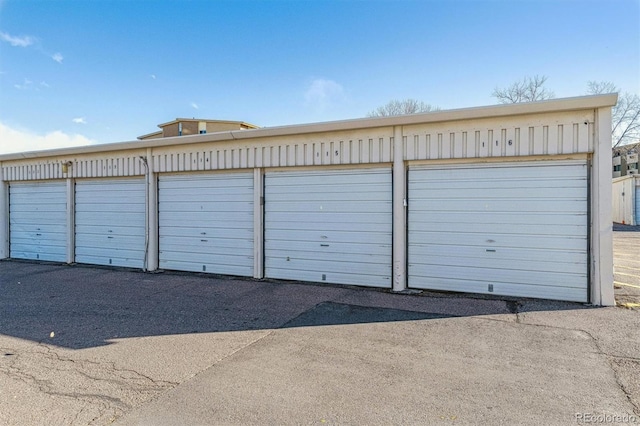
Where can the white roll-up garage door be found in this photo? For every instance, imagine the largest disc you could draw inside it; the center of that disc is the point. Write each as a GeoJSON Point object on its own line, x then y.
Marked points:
{"type": "Point", "coordinates": [38, 220]}
{"type": "Point", "coordinates": [110, 222]}
{"type": "Point", "coordinates": [329, 226]}
{"type": "Point", "coordinates": [508, 229]}
{"type": "Point", "coordinates": [206, 223]}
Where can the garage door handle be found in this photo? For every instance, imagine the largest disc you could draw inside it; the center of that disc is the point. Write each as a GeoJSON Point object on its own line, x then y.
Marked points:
{"type": "Point", "coordinates": [38, 235]}
{"type": "Point", "coordinates": [204, 241]}
{"type": "Point", "coordinates": [491, 250]}
{"type": "Point", "coordinates": [110, 237]}
{"type": "Point", "coordinates": [324, 245]}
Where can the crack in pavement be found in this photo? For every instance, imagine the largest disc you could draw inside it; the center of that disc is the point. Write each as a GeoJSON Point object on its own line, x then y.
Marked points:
{"type": "Point", "coordinates": [102, 386]}
{"type": "Point", "coordinates": [599, 350]}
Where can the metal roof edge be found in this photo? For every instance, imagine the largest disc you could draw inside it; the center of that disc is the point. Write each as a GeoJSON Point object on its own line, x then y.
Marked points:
{"type": "Point", "coordinates": [552, 105]}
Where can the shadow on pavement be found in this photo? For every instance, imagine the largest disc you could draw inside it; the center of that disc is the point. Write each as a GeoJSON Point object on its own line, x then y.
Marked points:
{"type": "Point", "coordinates": [90, 306]}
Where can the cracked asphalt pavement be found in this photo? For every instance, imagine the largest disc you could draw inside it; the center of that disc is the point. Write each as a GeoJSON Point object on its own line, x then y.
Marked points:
{"type": "Point", "coordinates": [87, 345]}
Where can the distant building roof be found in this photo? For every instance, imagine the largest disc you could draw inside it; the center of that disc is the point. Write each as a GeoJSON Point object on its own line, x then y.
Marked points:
{"type": "Point", "coordinates": [190, 126]}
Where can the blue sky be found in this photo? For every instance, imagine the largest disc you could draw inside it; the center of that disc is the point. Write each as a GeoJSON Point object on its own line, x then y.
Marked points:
{"type": "Point", "coordinates": [97, 71]}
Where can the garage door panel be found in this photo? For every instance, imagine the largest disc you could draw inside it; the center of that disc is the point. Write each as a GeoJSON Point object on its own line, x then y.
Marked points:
{"type": "Point", "coordinates": [280, 247]}
{"type": "Point", "coordinates": [471, 184]}
{"type": "Point", "coordinates": [332, 277]}
{"type": "Point", "coordinates": [329, 226]}
{"type": "Point", "coordinates": [28, 200]}
{"type": "Point", "coordinates": [509, 194]}
{"type": "Point", "coordinates": [38, 220]}
{"type": "Point", "coordinates": [503, 172]}
{"type": "Point", "coordinates": [511, 229]}
{"type": "Point", "coordinates": [110, 222]}
{"type": "Point", "coordinates": [316, 226]}
{"type": "Point", "coordinates": [226, 230]}
{"type": "Point", "coordinates": [125, 207]}
{"type": "Point", "coordinates": [36, 210]}
{"type": "Point", "coordinates": [206, 223]}
{"type": "Point", "coordinates": [330, 206]}
{"type": "Point", "coordinates": [516, 290]}
{"type": "Point", "coordinates": [114, 241]}
{"type": "Point", "coordinates": [427, 252]}
{"type": "Point", "coordinates": [502, 228]}
{"type": "Point", "coordinates": [110, 219]}
{"type": "Point", "coordinates": [310, 179]}
{"type": "Point", "coordinates": [324, 188]}
{"type": "Point", "coordinates": [221, 239]}
{"type": "Point", "coordinates": [284, 254]}
{"type": "Point", "coordinates": [490, 262]}
{"type": "Point", "coordinates": [481, 218]}
{"type": "Point", "coordinates": [134, 231]}
{"type": "Point", "coordinates": [228, 207]}
{"type": "Point", "coordinates": [320, 266]}
{"type": "Point", "coordinates": [377, 194]}
{"type": "Point", "coordinates": [43, 238]}
{"type": "Point", "coordinates": [512, 206]}
{"type": "Point", "coordinates": [373, 217]}
{"type": "Point", "coordinates": [41, 252]}
{"type": "Point", "coordinates": [192, 265]}
{"type": "Point", "coordinates": [432, 273]}
{"type": "Point", "coordinates": [495, 241]}
{"type": "Point", "coordinates": [202, 216]}
{"type": "Point", "coordinates": [363, 237]}
{"type": "Point", "coordinates": [106, 252]}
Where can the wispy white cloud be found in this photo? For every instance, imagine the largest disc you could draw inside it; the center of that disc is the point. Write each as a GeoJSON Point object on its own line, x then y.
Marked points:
{"type": "Point", "coordinates": [44, 84]}
{"type": "Point", "coordinates": [79, 120]}
{"type": "Point", "coordinates": [26, 84]}
{"type": "Point", "coordinates": [17, 41]}
{"type": "Point", "coordinates": [14, 140]}
{"type": "Point", "coordinates": [323, 92]}
{"type": "Point", "coordinates": [194, 105]}
{"type": "Point", "coordinates": [57, 57]}
{"type": "Point", "coordinates": [153, 76]}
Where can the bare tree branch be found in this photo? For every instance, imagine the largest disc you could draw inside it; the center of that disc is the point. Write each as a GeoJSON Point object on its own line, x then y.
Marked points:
{"type": "Point", "coordinates": [406, 106]}
{"type": "Point", "coordinates": [625, 115]}
{"type": "Point", "coordinates": [528, 90]}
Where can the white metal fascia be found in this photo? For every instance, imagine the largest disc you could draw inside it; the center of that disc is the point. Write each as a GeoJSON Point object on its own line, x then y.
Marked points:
{"type": "Point", "coordinates": [554, 105]}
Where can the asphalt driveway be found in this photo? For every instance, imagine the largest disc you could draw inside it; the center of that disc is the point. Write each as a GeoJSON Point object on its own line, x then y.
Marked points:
{"type": "Point", "coordinates": [626, 259]}
{"type": "Point", "coordinates": [84, 345]}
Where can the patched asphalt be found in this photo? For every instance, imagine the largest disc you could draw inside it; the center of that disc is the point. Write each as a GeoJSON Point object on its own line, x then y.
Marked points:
{"type": "Point", "coordinates": [88, 345]}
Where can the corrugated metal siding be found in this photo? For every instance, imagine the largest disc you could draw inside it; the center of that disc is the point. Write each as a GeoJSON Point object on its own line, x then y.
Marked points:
{"type": "Point", "coordinates": [521, 229]}
{"type": "Point", "coordinates": [566, 133]}
{"type": "Point", "coordinates": [296, 153]}
{"type": "Point", "coordinates": [38, 220]}
{"type": "Point", "coordinates": [513, 136]}
{"type": "Point", "coordinates": [329, 226]}
{"type": "Point", "coordinates": [206, 223]}
{"type": "Point", "coordinates": [110, 222]}
{"type": "Point", "coordinates": [90, 167]}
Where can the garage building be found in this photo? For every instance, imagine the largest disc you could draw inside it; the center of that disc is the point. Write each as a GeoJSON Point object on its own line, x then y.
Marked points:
{"type": "Point", "coordinates": [626, 200]}
{"type": "Point", "coordinates": [509, 200]}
